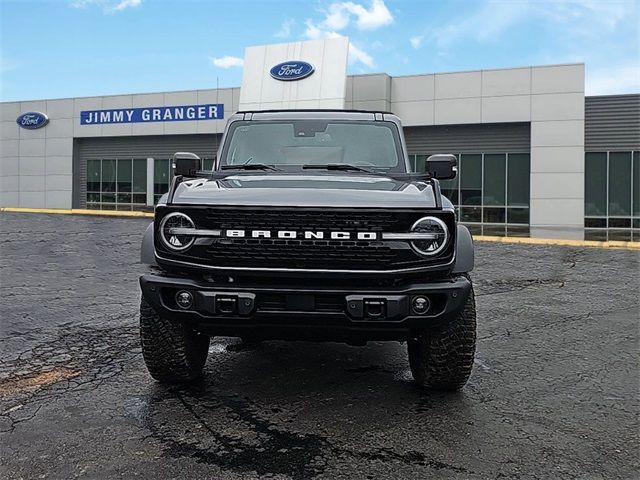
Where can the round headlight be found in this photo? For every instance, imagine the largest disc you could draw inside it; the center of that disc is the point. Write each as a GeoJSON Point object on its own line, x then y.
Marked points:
{"type": "Point", "coordinates": [172, 229]}
{"type": "Point", "coordinates": [438, 239]}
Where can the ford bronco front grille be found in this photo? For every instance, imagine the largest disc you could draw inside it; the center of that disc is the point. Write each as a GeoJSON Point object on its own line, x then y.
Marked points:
{"type": "Point", "coordinates": [307, 219]}
{"type": "Point", "coordinates": [304, 254]}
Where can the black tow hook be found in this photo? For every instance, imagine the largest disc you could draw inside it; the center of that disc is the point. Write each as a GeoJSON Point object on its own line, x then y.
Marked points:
{"type": "Point", "coordinates": [364, 307]}
{"type": "Point", "coordinates": [226, 305]}
{"type": "Point", "coordinates": [374, 308]}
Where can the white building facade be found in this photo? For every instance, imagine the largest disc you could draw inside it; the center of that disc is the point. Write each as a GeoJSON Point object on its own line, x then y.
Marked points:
{"type": "Point", "coordinates": [519, 134]}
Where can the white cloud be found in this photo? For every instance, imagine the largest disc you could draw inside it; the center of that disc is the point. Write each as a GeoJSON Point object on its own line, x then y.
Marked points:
{"type": "Point", "coordinates": [227, 62]}
{"type": "Point", "coordinates": [126, 4]}
{"type": "Point", "coordinates": [108, 6]}
{"type": "Point", "coordinates": [339, 15]}
{"type": "Point", "coordinates": [357, 55]}
{"type": "Point", "coordinates": [375, 17]}
{"type": "Point", "coordinates": [84, 3]}
{"type": "Point", "coordinates": [416, 41]}
{"type": "Point", "coordinates": [616, 79]}
{"type": "Point", "coordinates": [313, 32]}
{"type": "Point", "coordinates": [285, 28]}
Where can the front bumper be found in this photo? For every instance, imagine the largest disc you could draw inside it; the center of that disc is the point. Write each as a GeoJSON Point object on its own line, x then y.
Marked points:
{"type": "Point", "coordinates": [282, 312]}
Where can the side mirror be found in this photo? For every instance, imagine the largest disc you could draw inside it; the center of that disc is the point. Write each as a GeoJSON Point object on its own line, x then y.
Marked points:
{"type": "Point", "coordinates": [186, 164]}
{"type": "Point", "coordinates": [442, 167]}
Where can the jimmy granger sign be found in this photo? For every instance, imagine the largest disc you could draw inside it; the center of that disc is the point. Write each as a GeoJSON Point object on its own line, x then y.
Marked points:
{"type": "Point", "coordinates": [153, 114]}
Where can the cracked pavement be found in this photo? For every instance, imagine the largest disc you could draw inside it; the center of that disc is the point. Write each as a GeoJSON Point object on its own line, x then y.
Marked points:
{"type": "Point", "coordinates": [554, 392]}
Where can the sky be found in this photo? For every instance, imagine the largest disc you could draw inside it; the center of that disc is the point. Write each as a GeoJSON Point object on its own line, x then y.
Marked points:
{"type": "Point", "coordinates": [72, 48]}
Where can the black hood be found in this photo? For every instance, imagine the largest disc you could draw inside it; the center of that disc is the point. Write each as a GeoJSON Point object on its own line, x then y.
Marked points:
{"type": "Point", "coordinates": [306, 190]}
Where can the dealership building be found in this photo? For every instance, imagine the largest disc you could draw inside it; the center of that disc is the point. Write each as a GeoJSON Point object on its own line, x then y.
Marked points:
{"type": "Point", "coordinates": [536, 156]}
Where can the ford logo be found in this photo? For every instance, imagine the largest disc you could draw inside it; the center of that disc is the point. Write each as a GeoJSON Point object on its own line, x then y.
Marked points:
{"type": "Point", "coordinates": [293, 70]}
{"type": "Point", "coordinates": [32, 120]}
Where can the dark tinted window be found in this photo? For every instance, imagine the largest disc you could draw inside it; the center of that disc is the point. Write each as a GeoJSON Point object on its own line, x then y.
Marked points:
{"type": "Point", "coordinates": [305, 142]}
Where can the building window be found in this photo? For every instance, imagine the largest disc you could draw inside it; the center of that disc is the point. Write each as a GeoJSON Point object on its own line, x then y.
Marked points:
{"type": "Point", "coordinates": [116, 184]}
{"type": "Point", "coordinates": [121, 183]}
{"type": "Point", "coordinates": [490, 192]}
{"type": "Point", "coordinates": [612, 196]}
{"type": "Point", "coordinates": [161, 178]}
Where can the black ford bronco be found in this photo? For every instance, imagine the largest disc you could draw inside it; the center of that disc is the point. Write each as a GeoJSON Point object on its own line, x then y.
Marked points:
{"type": "Point", "coordinates": [311, 226]}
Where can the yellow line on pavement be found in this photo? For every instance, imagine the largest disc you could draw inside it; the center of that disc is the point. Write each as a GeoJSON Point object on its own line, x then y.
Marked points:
{"type": "Point", "coordinates": [479, 238]}
{"type": "Point", "coordinates": [560, 242]}
{"type": "Point", "coordinates": [77, 211]}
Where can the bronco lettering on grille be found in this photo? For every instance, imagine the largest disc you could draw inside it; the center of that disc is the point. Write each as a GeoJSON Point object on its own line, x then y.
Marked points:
{"type": "Point", "coordinates": [301, 234]}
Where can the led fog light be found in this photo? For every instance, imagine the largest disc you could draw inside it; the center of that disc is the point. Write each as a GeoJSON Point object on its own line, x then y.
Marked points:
{"type": "Point", "coordinates": [184, 299]}
{"type": "Point", "coordinates": [420, 305]}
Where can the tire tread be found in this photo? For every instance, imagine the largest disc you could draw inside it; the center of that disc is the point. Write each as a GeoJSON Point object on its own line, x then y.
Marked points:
{"type": "Point", "coordinates": [172, 352]}
{"type": "Point", "coordinates": [443, 359]}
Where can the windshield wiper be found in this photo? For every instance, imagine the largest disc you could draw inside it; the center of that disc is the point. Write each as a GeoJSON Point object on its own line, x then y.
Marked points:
{"type": "Point", "coordinates": [250, 166]}
{"type": "Point", "coordinates": [337, 166]}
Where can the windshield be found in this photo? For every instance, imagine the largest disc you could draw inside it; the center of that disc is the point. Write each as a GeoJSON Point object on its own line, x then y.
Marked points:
{"type": "Point", "coordinates": [296, 143]}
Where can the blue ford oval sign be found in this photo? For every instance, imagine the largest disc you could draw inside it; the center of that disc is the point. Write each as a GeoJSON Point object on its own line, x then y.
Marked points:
{"type": "Point", "coordinates": [293, 70]}
{"type": "Point", "coordinates": [32, 120]}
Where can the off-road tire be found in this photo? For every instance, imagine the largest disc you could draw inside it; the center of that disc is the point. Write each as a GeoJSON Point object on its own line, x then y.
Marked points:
{"type": "Point", "coordinates": [172, 352]}
{"type": "Point", "coordinates": [443, 358]}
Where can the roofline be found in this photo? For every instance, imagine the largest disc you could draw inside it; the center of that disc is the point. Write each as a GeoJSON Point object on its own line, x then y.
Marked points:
{"type": "Point", "coordinates": [156, 92]}
{"type": "Point", "coordinates": [320, 110]}
{"type": "Point", "coordinates": [480, 70]}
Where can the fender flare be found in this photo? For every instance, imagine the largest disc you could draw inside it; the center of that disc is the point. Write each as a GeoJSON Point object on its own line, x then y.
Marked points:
{"type": "Point", "coordinates": [147, 250]}
{"type": "Point", "coordinates": [464, 251]}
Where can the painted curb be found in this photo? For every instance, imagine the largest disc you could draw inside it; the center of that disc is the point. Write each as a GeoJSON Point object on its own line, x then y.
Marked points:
{"type": "Point", "coordinates": [559, 242]}
{"type": "Point", "coordinates": [77, 211]}
{"type": "Point", "coordinates": [479, 238]}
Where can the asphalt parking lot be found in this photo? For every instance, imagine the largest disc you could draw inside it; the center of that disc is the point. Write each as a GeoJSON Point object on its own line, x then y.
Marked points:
{"type": "Point", "coordinates": [554, 392]}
